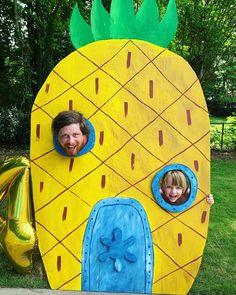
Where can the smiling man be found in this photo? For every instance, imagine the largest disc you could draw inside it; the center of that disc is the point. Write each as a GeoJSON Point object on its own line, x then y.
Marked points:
{"type": "Point", "coordinates": [71, 131]}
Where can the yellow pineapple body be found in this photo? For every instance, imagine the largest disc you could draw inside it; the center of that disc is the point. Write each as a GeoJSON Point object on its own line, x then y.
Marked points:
{"type": "Point", "coordinates": [148, 111]}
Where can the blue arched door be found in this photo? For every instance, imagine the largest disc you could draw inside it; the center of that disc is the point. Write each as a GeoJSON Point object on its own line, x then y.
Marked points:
{"type": "Point", "coordinates": [117, 248]}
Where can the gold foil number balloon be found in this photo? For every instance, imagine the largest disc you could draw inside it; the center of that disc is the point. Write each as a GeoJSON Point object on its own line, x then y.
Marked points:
{"type": "Point", "coordinates": [17, 235]}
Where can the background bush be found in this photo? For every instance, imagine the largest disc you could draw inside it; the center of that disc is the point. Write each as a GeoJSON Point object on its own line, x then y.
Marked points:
{"type": "Point", "coordinates": [14, 126]}
{"type": "Point", "coordinates": [229, 139]}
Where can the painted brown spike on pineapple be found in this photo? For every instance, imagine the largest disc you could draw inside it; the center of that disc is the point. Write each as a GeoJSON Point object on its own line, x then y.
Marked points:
{"type": "Point", "coordinates": [38, 131]}
{"type": "Point", "coordinates": [64, 214]}
{"type": "Point", "coordinates": [101, 137]}
{"type": "Point", "coordinates": [71, 164]}
{"type": "Point", "coordinates": [103, 181]}
{"type": "Point", "coordinates": [196, 165]}
{"type": "Point", "coordinates": [204, 215]}
{"type": "Point", "coordinates": [188, 113]}
{"type": "Point", "coordinates": [126, 108]}
{"type": "Point", "coordinates": [151, 88]}
{"type": "Point", "coordinates": [128, 59]}
{"type": "Point", "coordinates": [132, 161]}
{"type": "Point", "coordinates": [59, 263]}
{"type": "Point", "coordinates": [160, 137]}
{"type": "Point", "coordinates": [41, 185]}
{"type": "Point", "coordinates": [70, 105]}
{"type": "Point", "coordinates": [180, 239]}
{"type": "Point", "coordinates": [47, 88]}
{"type": "Point", "coordinates": [96, 85]}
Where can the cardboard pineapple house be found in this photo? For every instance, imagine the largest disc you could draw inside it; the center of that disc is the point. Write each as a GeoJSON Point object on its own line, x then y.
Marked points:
{"type": "Point", "coordinates": [100, 220]}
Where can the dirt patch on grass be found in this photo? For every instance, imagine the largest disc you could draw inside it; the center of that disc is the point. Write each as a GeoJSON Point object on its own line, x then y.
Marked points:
{"type": "Point", "coordinates": [231, 155]}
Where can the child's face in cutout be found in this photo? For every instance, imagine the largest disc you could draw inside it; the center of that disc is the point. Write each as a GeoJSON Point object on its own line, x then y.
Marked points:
{"type": "Point", "coordinates": [172, 192]}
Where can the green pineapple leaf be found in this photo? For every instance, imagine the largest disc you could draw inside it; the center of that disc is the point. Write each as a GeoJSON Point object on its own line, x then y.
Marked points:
{"type": "Point", "coordinates": [122, 23]}
{"type": "Point", "coordinates": [80, 31]}
{"type": "Point", "coordinates": [122, 19]}
{"type": "Point", "coordinates": [147, 21]}
{"type": "Point", "coordinates": [100, 21]}
{"type": "Point", "coordinates": [168, 25]}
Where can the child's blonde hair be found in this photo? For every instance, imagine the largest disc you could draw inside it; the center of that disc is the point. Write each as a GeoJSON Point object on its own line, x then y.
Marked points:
{"type": "Point", "coordinates": [177, 178]}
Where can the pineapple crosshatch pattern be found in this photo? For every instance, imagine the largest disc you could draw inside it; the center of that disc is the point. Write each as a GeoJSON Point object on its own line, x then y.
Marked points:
{"type": "Point", "coordinates": [136, 135]}
{"type": "Point", "coordinates": [148, 111]}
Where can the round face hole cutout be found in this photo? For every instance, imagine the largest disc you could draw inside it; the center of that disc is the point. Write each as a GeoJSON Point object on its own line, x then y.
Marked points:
{"type": "Point", "coordinates": [175, 187]}
{"type": "Point", "coordinates": [63, 143]}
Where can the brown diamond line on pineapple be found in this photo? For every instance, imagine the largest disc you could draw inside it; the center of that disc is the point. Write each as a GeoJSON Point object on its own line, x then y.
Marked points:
{"type": "Point", "coordinates": [148, 111]}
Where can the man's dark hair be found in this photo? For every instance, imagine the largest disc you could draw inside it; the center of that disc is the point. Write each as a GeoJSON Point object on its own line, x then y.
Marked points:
{"type": "Point", "coordinates": [66, 118]}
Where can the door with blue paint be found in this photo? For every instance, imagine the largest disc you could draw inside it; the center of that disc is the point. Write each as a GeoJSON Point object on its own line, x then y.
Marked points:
{"type": "Point", "coordinates": [117, 248]}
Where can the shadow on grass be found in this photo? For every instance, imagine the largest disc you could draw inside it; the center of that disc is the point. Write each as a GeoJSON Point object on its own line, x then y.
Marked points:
{"type": "Point", "coordinates": [9, 278]}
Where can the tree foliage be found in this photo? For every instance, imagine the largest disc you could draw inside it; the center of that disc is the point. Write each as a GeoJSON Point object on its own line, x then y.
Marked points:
{"type": "Point", "coordinates": [206, 38]}
{"type": "Point", "coordinates": [34, 36]}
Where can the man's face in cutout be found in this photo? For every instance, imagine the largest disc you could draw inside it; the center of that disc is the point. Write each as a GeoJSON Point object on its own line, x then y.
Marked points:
{"type": "Point", "coordinates": [71, 139]}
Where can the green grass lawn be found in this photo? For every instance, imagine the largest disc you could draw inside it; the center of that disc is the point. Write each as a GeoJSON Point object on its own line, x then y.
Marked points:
{"type": "Point", "coordinates": [217, 273]}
